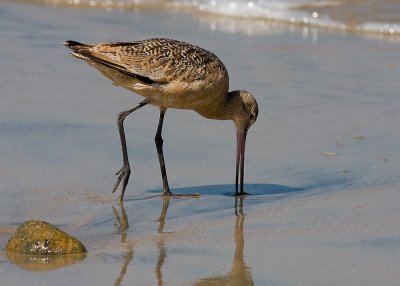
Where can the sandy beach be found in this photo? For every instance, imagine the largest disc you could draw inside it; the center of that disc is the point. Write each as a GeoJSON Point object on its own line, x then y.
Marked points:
{"type": "Point", "coordinates": [322, 160]}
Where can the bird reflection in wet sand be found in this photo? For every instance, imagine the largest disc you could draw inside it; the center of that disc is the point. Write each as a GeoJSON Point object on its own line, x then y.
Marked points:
{"type": "Point", "coordinates": [162, 250]}
{"type": "Point", "coordinates": [240, 274]}
{"type": "Point", "coordinates": [122, 224]}
{"type": "Point", "coordinates": [171, 74]}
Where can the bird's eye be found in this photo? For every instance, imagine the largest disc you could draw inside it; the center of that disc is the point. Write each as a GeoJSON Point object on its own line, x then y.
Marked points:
{"type": "Point", "coordinates": [251, 116]}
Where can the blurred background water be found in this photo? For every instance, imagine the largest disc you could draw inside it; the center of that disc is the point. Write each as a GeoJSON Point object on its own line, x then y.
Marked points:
{"type": "Point", "coordinates": [367, 16]}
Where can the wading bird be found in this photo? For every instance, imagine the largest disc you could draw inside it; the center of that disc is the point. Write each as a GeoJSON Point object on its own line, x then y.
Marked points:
{"type": "Point", "coordinates": [171, 74]}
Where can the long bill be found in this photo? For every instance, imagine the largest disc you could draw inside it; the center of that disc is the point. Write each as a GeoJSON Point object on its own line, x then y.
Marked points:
{"type": "Point", "coordinates": [241, 142]}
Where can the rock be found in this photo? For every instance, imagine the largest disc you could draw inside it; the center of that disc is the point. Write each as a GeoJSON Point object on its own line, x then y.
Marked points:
{"type": "Point", "coordinates": [41, 238]}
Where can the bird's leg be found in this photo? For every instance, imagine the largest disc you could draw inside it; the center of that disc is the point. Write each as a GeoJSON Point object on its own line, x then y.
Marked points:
{"type": "Point", "coordinates": [124, 173]}
{"type": "Point", "coordinates": [159, 145]}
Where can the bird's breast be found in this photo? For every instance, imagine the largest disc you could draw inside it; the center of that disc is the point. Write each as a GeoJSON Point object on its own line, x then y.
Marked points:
{"type": "Point", "coordinates": [199, 95]}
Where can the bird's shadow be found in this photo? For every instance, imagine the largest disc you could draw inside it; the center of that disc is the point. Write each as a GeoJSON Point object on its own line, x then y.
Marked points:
{"type": "Point", "coordinates": [228, 190]}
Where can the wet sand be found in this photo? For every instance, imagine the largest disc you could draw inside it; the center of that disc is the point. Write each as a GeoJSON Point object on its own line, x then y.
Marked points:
{"type": "Point", "coordinates": [322, 160]}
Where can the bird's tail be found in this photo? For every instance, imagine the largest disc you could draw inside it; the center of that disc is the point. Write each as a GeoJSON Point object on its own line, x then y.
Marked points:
{"type": "Point", "coordinates": [76, 46]}
{"type": "Point", "coordinates": [77, 49]}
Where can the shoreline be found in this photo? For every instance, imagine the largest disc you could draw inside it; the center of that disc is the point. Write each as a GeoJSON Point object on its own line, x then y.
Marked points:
{"type": "Point", "coordinates": [389, 31]}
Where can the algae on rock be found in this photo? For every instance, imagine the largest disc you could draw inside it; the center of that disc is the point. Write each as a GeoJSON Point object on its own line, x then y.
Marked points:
{"type": "Point", "coordinates": [41, 238]}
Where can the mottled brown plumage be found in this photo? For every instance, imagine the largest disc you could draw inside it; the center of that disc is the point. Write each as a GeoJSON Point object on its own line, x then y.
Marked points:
{"type": "Point", "coordinates": [171, 74]}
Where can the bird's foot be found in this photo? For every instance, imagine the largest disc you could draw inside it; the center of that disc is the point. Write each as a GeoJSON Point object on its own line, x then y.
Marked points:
{"type": "Point", "coordinates": [123, 176]}
{"type": "Point", "coordinates": [241, 194]}
{"type": "Point", "coordinates": [168, 193]}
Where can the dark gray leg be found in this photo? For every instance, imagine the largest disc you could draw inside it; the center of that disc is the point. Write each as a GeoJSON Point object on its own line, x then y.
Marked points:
{"type": "Point", "coordinates": [125, 171]}
{"type": "Point", "coordinates": [159, 145]}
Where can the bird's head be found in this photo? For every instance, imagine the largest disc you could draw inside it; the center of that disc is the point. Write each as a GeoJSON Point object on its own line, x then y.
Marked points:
{"type": "Point", "coordinates": [246, 110]}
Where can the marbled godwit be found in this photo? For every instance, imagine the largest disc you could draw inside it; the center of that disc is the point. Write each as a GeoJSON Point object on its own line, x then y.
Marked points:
{"type": "Point", "coordinates": [171, 74]}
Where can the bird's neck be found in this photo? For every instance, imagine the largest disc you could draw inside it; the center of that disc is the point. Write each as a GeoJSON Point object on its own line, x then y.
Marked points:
{"type": "Point", "coordinates": [225, 108]}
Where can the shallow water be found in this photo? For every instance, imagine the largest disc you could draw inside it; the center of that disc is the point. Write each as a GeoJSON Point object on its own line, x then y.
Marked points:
{"type": "Point", "coordinates": [329, 113]}
{"type": "Point", "coordinates": [371, 17]}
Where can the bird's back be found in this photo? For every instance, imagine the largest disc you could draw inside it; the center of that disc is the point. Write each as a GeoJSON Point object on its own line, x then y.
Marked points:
{"type": "Point", "coordinates": [169, 72]}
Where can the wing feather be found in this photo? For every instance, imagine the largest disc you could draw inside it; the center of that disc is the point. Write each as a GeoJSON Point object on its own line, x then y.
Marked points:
{"type": "Point", "coordinates": [159, 60]}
